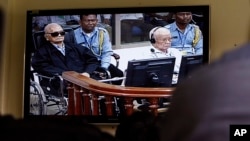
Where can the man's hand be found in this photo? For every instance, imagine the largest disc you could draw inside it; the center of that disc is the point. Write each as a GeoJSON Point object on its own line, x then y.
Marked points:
{"type": "Point", "coordinates": [85, 74]}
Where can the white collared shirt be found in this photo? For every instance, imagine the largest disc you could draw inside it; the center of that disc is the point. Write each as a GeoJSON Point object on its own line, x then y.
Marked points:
{"type": "Point", "coordinates": [61, 49]}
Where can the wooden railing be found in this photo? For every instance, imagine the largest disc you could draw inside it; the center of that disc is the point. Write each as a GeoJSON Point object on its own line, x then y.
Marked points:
{"type": "Point", "coordinates": [83, 94]}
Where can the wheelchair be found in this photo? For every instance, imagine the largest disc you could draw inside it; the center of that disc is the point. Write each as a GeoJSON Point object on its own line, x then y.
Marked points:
{"type": "Point", "coordinates": [49, 98]}
{"type": "Point", "coordinates": [45, 97]}
{"type": "Point", "coordinates": [37, 99]}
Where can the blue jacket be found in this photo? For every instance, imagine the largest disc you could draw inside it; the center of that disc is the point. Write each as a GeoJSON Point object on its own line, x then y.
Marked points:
{"type": "Point", "coordinates": [184, 41]}
{"type": "Point", "coordinates": [78, 36]}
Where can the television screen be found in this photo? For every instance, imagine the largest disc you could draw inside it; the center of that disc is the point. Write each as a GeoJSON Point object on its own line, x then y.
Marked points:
{"type": "Point", "coordinates": [156, 72]}
{"type": "Point", "coordinates": [127, 37]}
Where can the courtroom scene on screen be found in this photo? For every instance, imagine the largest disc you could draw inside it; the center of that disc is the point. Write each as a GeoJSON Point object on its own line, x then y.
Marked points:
{"type": "Point", "coordinates": [88, 63]}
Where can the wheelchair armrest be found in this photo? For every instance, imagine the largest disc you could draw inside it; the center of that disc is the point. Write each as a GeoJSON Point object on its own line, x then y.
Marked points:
{"type": "Point", "coordinates": [117, 57]}
{"type": "Point", "coordinates": [44, 76]}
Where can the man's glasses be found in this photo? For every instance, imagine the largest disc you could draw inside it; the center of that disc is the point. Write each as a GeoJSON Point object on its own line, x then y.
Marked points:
{"type": "Point", "coordinates": [55, 34]}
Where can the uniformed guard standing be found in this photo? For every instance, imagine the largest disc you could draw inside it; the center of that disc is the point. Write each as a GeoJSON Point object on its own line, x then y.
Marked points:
{"type": "Point", "coordinates": [186, 37]}
{"type": "Point", "coordinates": [97, 40]}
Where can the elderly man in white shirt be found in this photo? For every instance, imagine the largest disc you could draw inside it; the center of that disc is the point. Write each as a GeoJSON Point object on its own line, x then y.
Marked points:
{"type": "Point", "coordinates": [160, 38]}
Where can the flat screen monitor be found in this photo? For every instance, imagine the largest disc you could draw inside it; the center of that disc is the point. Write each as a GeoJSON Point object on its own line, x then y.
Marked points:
{"type": "Point", "coordinates": [189, 63]}
{"type": "Point", "coordinates": [156, 72]}
{"type": "Point", "coordinates": [117, 29]}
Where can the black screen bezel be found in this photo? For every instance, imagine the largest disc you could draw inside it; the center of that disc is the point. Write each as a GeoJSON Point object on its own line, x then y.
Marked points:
{"type": "Point", "coordinates": [158, 66]}
{"type": "Point", "coordinates": [189, 63]}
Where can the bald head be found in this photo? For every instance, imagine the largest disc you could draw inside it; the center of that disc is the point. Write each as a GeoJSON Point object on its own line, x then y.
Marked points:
{"type": "Point", "coordinates": [51, 26]}
{"type": "Point", "coordinates": [160, 38]}
{"type": "Point", "coordinates": [158, 31]}
{"type": "Point", "coordinates": [54, 33]}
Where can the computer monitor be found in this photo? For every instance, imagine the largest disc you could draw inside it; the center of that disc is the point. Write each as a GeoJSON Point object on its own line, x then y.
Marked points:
{"type": "Point", "coordinates": [156, 72]}
{"type": "Point", "coordinates": [189, 63]}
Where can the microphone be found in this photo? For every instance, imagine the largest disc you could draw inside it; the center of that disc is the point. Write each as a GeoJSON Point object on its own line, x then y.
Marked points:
{"type": "Point", "coordinates": [153, 51]}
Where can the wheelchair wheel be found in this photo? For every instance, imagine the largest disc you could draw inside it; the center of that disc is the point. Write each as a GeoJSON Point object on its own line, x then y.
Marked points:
{"type": "Point", "coordinates": [37, 99]}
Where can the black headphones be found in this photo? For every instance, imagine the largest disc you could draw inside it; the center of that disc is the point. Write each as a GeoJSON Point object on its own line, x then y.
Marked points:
{"type": "Point", "coordinates": [152, 39]}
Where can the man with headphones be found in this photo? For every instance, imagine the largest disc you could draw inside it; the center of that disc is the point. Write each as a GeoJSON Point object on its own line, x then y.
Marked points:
{"type": "Point", "coordinates": [160, 38]}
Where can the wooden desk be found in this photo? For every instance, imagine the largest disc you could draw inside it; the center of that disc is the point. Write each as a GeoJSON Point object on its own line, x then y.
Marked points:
{"type": "Point", "coordinates": [82, 89]}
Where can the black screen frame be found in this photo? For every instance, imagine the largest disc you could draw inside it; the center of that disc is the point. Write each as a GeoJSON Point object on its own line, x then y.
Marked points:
{"type": "Point", "coordinates": [205, 9]}
{"type": "Point", "coordinates": [189, 63]}
{"type": "Point", "coordinates": [163, 68]}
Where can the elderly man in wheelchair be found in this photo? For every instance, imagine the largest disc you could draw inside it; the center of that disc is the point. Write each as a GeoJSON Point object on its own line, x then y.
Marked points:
{"type": "Point", "coordinates": [57, 56]}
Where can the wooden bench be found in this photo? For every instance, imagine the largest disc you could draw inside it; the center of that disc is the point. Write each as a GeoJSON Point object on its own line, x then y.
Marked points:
{"type": "Point", "coordinates": [84, 90]}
